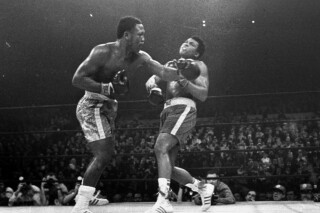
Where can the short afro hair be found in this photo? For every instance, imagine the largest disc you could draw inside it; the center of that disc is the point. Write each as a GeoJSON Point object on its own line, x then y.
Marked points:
{"type": "Point", "coordinates": [201, 46]}
{"type": "Point", "coordinates": [126, 23]}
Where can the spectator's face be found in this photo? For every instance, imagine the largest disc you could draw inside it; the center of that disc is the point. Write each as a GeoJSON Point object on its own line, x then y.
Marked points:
{"type": "Point", "coordinates": [306, 195]}
{"type": "Point", "coordinates": [1, 186]}
{"type": "Point", "coordinates": [137, 197]}
{"type": "Point", "coordinates": [291, 195]}
{"type": "Point", "coordinates": [269, 196]}
{"type": "Point", "coordinates": [8, 193]}
{"type": "Point", "coordinates": [212, 181]}
{"type": "Point", "coordinates": [237, 196]}
{"type": "Point", "coordinates": [251, 196]}
{"type": "Point", "coordinates": [277, 195]}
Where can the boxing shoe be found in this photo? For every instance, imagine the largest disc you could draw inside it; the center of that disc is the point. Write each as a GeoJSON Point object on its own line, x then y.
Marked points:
{"type": "Point", "coordinates": [96, 201]}
{"type": "Point", "coordinates": [206, 192]}
{"type": "Point", "coordinates": [162, 205]}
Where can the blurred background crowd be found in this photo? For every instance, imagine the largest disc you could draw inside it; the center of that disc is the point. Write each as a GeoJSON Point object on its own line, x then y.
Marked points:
{"type": "Point", "coordinates": [252, 146]}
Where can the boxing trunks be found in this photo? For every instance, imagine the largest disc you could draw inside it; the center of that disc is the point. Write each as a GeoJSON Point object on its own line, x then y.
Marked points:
{"type": "Point", "coordinates": [96, 114]}
{"type": "Point", "coordinates": [178, 118]}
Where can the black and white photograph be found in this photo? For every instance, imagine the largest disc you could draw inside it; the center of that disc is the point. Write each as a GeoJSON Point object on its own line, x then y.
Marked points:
{"type": "Point", "coordinates": [159, 106]}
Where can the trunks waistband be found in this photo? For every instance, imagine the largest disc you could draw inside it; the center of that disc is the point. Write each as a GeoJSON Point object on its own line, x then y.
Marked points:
{"type": "Point", "coordinates": [180, 101]}
{"type": "Point", "coordinates": [96, 96]}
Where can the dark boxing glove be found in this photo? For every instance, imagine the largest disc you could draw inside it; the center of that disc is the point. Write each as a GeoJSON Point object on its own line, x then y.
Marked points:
{"type": "Point", "coordinates": [155, 96]}
{"type": "Point", "coordinates": [188, 68]}
{"type": "Point", "coordinates": [172, 64]}
{"type": "Point", "coordinates": [120, 83]}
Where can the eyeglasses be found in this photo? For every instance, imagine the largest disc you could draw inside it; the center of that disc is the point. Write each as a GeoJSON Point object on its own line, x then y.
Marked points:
{"type": "Point", "coordinates": [253, 195]}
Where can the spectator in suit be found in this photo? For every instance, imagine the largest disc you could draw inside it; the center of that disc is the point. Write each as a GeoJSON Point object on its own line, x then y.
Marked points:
{"type": "Point", "coordinates": [222, 193]}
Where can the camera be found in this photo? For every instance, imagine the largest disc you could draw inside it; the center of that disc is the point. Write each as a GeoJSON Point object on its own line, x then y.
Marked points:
{"type": "Point", "coordinates": [24, 185]}
{"type": "Point", "coordinates": [79, 180]}
{"type": "Point", "coordinates": [50, 181]}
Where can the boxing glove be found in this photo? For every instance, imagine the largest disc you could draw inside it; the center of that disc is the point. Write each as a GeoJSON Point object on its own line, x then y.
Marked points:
{"type": "Point", "coordinates": [155, 96]}
{"type": "Point", "coordinates": [172, 64]}
{"type": "Point", "coordinates": [188, 68]}
{"type": "Point", "coordinates": [120, 83]}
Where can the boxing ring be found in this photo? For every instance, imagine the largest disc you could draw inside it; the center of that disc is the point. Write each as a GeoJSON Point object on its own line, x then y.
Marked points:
{"type": "Point", "coordinates": [179, 207]}
{"type": "Point", "coordinates": [184, 207]}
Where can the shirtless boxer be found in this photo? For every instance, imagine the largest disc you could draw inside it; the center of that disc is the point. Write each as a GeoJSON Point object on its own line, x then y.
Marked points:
{"type": "Point", "coordinates": [103, 76]}
{"type": "Point", "coordinates": [177, 120]}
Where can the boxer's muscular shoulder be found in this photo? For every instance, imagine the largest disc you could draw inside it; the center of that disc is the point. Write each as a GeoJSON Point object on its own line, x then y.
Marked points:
{"type": "Point", "coordinates": [103, 50]}
{"type": "Point", "coordinates": [140, 59]}
{"type": "Point", "coordinates": [104, 54]}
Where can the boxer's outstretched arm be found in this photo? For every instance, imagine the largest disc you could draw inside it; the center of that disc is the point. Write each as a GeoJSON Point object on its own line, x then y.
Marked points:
{"type": "Point", "coordinates": [164, 72]}
{"type": "Point", "coordinates": [83, 75]}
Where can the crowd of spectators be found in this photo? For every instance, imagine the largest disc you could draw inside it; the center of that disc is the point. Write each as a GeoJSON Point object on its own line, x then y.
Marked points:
{"type": "Point", "coordinates": [263, 141]}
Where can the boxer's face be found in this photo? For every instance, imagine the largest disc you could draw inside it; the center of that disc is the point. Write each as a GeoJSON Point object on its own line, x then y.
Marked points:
{"type": "Point", "coordinates": [189, 49]}
{"type": "Point", "coordinates": [135, 38]}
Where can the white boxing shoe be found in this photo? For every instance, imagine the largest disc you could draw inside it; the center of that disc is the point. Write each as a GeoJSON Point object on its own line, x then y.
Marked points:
{"type": "Point", "coordinates": [162, 205]}
{"type": "Point", "coordinates": [206, 191]}
{"type": "Point", "coordinates": [95, 201]}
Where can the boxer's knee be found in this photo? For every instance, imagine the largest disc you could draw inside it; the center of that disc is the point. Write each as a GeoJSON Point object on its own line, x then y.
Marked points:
{"type": "Point", "coordinates": [103, 150]}
{"type": "Point", "coordinates": [164, 144]}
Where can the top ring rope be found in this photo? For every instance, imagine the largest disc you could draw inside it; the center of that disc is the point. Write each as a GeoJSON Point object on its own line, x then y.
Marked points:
{"type": "Point", "coordinates": [146, 101]}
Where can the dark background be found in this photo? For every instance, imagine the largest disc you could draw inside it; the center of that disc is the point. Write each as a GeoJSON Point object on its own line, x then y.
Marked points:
{"type": "Point", "coordinates": [44, 41]}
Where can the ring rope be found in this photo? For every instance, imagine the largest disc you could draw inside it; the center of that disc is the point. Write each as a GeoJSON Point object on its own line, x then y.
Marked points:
{"type": "Point", "coordinates": [146, 101]}
{"type": "Point", "coordinates": [155, 128]}
{"type": "Point", "coordinates": [154, 179]}
{"type": "Point", "coordinates": [313, 148]}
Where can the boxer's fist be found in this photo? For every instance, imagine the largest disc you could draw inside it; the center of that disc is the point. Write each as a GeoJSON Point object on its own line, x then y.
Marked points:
{"type": "Point", "coordinates": [188, 68]}
{"type": "Point", "coordinates": [172, 64]}
{"type": "Point", "coordinates": [155, 96]}
{"type": "Point", "coordinates": [120, 83]}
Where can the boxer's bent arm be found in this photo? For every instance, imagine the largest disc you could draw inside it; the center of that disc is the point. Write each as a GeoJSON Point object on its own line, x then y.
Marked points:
{"type": "Point", "coordinates": [83, 75]}
{"type": "Point", "coordinates": [200, 86]}
{"type": "Point", "coordinates": [81, 81]}
{"type": "Point", "coordinates": [164, 72]}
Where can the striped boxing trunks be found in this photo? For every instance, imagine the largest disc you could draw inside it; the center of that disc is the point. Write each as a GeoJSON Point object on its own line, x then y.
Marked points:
{"type": "Point", "coordinates": [96, 114]}
{"type": "Point", "coordinates": [178, 118]}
